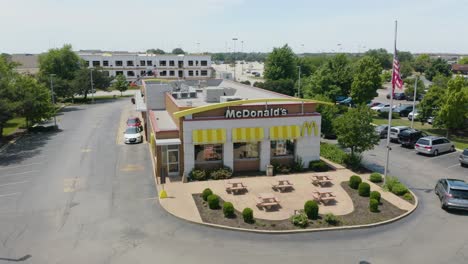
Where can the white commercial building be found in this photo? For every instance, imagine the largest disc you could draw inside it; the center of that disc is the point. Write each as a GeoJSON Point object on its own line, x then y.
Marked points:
{"type": "Point", "coordinates": [164, 66]}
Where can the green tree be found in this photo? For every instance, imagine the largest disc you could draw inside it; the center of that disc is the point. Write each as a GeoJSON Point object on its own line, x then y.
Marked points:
{"type": "Point", "coordinates": [384, 58]}
{"type": "Point", "coordinates": [283, 86]}
{"type": "Point", "coordinates": [386, 76]}
{"type": "Point", "coordinates": [463, 60]}
{"type": "Point", "coordinates": [355, 131]}
{"type": "Point", "coordinates": [422, 63]}
{"type": "Point", "coordinates": [332, 79]}
{"type": "Point", "coordinates": [178, 51]}
{"type": "Point", "coordinates": [432, 101]}
{"type": "Point", "coordinates": [34, 100]}
{"type": "Point", "coordinates": [438, 66]}
{"type": "Point", "coordinates": [8, 102]}
{"type": "Point", "coordinates": [63, 63]}
{"type": "Point", "coordinates": [120, 84]}
{"type": "Point", "coordinates": [409, 84]}
{"type": "Point", "coordinates": [156, 51]}
{"type": "Point", "coordinates": [405, 56]}
{"type": "Point", "coordinates": [328, 114]}
{"type": "Point", "coordinates": [366, 80]}
{"type": "Point", "coordinates": [281, 64]}
{"type": "Point", "coordinates": [82, 82]}
{"type": "Point", "coordinates": [454, 108]}
{"type": "Point", "coordinates": [406, 70]}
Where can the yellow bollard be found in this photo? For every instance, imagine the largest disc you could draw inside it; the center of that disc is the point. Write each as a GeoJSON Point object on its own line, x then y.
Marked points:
{"type": "Point", "coordinates": [163, 194]}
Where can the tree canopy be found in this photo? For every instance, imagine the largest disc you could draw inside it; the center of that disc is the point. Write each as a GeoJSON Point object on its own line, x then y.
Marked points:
{"type": "Point", "coordinates": [463, 60]}
{"type": "Point", "coordinates": [63, 62]}
{"type": "Point", "coordinates": [156, 51]}
{"type": "Point", "coordinates": [178, 51]}
{"type": "Point", "coordinates": [384, 58]}
{"type": "Point", "coordinates": [454, 107]}
{"type": "Point", "coordinates": [422, 63]}
{"type": "Point", "coordinates": [82, 82]}
{"type": "Point", "coordinates": [120, 83]}
{"type": "Point", "coordinates": [281, 64]}
{"type": "Point", "coordinates": [366, 80]}
{"type": "Point", "coordinates": [438, 66]}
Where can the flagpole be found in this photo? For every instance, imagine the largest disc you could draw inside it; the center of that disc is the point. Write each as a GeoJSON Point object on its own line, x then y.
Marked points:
{"type": "Point", "coordinates": [391, 105]}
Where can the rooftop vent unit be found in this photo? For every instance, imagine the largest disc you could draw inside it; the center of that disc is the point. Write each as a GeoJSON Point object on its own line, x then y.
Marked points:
{"type": "Point", "coordinates": [224, 99]}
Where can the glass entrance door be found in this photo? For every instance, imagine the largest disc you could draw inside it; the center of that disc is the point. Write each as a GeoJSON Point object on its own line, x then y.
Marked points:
{"type": "Point", "coordinates": [173, 160]}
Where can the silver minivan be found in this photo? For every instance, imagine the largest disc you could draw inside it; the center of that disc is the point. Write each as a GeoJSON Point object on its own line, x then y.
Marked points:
{"type": "Point", "coordinates": [453, 194]}
{"type": "Point", "coordinates": [433, 145]}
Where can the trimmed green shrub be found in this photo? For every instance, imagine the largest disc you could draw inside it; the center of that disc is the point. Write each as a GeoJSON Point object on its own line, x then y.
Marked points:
{"type": "Point", "coordinates": [390, 182]}
{"type": "Point", "coordinates": [408, 196]}
{"type": "Point", "coordinates": [375, 195]}
{"type": "Point", "coordinates": [247, 214]}
{"type": "Point", "coordinates": [228, 209]}
{"type": "Point", "coordinates": [364, 189]}
{"type": "Point", "coordinates": [375, 177]}
{"type": "Point", "coordinates": [353, 162]}
{"type": "Point", "coordinates": [318, 165]}
{"type": "Point", "coordinates": [198, 175]}
{"type": "Point", "coordinates": [331, 219]}
{"type": "Point", "coordinates": [385, 115]}
{"type": "Point", "coordinates": [332, 152]}
{"type": "Point", "coordinates": [354, 181]}
{"type": "Point", "coordinates": [213, 201]}
{"type": "Point", "coordinates": [300, 220]}
{"type": "Point", "coordinates": [311, 209]}
{"type": "Point", "coordinates": [374, 205]}
{"type": "Point", "coordinates": [221, 173]}
{"type": "Point", "coordinates": [207, 192]}
{"type": "Point", "coordinates": [298, 165]}
{"type": "Point", "coordinates": [399, 189]}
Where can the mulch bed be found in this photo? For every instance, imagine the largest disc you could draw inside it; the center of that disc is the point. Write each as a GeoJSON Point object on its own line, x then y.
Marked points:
{"type": "Point", "coordinates": [360, 215]}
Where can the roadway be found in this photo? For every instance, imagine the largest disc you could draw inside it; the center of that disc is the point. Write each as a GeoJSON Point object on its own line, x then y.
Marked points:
{"type": "Point", "coordinates": [76, 196]}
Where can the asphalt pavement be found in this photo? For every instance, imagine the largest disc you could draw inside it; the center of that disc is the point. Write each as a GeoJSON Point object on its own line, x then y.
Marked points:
{"type": "Point", "coordinates": [75, 196]}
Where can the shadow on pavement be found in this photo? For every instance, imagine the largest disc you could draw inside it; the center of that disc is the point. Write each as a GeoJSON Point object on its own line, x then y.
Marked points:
{"type": "Point", "coordinates": [18, 259]}
{"type": "Point", "coordinates": [26, 147]}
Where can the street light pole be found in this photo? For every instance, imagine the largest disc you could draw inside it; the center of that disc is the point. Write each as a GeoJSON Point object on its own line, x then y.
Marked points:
{"type": "Point", "coordinates": [53, 97]}
{"type": "Point", "coordinates": [414, 99]}
{"type": "Point", "coordinates": [234, 49]}
{"type": "Point", "coordinates": [299, 83]}
{"type": "Point", "coordinates": [242, 50]}
{"type": "Point", "coordinates": [92, 86]}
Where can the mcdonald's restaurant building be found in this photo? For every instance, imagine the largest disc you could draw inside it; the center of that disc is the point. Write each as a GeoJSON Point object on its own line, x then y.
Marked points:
{"type": "Point", "coordinates": [259, 128]}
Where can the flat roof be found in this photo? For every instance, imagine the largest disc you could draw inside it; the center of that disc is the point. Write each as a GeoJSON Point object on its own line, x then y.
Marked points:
{"type": "Point", "coordinates": [163, 120]}
{"type": "Point", "coordinates": [242, 91]}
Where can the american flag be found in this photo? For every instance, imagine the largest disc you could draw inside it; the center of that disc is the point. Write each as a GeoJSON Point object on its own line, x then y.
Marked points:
{"type": "Point", "coordinates": [396, 77]}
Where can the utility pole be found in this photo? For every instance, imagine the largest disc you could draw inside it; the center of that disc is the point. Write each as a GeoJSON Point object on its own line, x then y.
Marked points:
{"type": "Point", "coordinates": [414, 99]}
{"type": "Point", "coordinates": [242, 51]}
{"type": "Point", "coordinates": [92, 86]}
{"type": "Point", "coordinates": [234, 39]}
{"type": "Point", "coordinates": [53, 97]}
{"type": "Point", "coordinates": [299, 83]}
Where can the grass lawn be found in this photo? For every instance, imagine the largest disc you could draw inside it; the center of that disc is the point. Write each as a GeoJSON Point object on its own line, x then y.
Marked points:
{"type": "Point", "coordinates": [460, 142]}
{"type": "Point", "coordinates": [81, 100]}
{"type": "Point", "coordinates": [13, 124]}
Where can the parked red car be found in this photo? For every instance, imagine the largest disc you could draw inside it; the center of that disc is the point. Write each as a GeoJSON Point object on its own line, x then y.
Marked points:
{"type": "Point", "coordinates": [133, 122]}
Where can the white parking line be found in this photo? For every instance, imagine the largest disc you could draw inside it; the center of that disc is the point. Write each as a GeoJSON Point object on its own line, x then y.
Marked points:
{"type": "Point", "coordinates": [12, 183]}
{"type": "Point", "coordinates": [10, 194]}
{"type": "Point", "coordinates": [19, 166]}
{"type": "Point", "coordinates": [458, 164]}
{"type": "Point", "coordinates": [442, 155]}
{"type": "Point", "coordinates": [19, 173]}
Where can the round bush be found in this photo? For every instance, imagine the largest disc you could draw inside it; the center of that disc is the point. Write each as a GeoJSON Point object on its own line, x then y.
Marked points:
{"type": "Point", "coordinates": [207, 192]}
{"type": "Point", "coordinates": [408, 197]}
{"type": "Point", "coordinates": [374, 205]}
{"type": "Point", "coordinates": [375, 177]}
{"type": "Point", "coordinates": [375, 195]}
{"type": "Point", "coordinates": [364, 189]}
{"type": "Point", "coordinates": [311, 209]}
{"type": "Point", "coordinates": [228, 209]}
{"type": "Point", "coordinates": [300, 220]}
{"type": "Point", "coordinates": [399, 189]}
{"type": "Point", "coordinates": [354, 181]}
{"type": "Point", "coordinates": [331, 219]}
{"type": "Point", "coordinates": [247, 214]}
{"type": "Point", "coordinates": [318, 165]}
{"type": "Point", "coordinates": [198, 175]}
{"type": "Point", "coordinates": [213, 201]}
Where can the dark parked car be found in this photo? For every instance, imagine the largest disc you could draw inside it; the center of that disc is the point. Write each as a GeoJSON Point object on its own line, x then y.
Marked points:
{"type": "Point", "coordinates": [409, 137]}
{"type": "Point", "coordinates": [464, 158]}
{"type": "Point", "coordinates": [397, 96]}
{"type": "Point", "coordinates": [453, 194]}
{"type": "Point", "coordinates": [382, 131]}
{"type": "Point", "coordinates": [419, 97]}
{"type": "Point", "coordinates": [404, 110]}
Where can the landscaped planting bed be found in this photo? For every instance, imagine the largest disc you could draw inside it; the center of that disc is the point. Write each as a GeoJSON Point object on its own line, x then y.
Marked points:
{"type": "Point", "coordinates": [360, 216]}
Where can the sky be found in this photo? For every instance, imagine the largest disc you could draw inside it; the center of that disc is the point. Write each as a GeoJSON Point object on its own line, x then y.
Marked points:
{"type": "Point", "coordinates": [34, 26]}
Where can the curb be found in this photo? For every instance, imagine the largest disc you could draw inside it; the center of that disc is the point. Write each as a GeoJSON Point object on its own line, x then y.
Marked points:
{"type": "Point", "coordinates": [260, 231]}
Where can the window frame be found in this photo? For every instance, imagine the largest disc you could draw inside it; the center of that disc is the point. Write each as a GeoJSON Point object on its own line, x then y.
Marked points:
{"type": "Point", "coordinates": [217, 149]}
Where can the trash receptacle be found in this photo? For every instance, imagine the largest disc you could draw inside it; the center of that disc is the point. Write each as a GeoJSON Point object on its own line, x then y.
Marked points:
{"type": "Point", "coordinates": [133, 100]}
{"type": "Point", "coordinates": [269, 170]}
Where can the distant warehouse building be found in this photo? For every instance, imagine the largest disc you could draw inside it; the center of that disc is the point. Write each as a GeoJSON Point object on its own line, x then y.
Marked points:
{"type": "Point", "coordinates": [137, 65]}
{"type": "Point", "coordinates": [209, 124]}
{"type": "Point", "coordinates": [460, 69]}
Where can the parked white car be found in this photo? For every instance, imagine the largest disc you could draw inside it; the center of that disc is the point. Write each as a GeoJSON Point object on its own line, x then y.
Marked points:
{"type": "Point", "coordinates": [395, 132]}
{"type": "Point", "coordinates": [381, 108]}
{"type": "Point", "coordinates": [133, 135]}
{"type": "Point", "coordinates": [414, 115]}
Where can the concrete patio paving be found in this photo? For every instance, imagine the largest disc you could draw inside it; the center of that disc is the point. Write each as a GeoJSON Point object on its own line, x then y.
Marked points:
{"type": "Point", "coordinates": [180, 202]}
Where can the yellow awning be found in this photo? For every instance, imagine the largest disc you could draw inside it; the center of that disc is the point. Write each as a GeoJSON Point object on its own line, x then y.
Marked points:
{"type": "Point", "coordinates": [284, 132]}
{"type": "Point", "coordinates": [247, 134]}
{"type": "Point", "coordinates": [209, 136]}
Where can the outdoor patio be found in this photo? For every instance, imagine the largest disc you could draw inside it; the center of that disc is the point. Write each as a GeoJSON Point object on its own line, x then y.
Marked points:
{"type": "Point", "coordinates": [181, 203]}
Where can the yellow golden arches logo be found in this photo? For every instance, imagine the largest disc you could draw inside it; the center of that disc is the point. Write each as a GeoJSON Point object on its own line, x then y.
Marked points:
{"type": "Point", "coordinates": [309, 127]}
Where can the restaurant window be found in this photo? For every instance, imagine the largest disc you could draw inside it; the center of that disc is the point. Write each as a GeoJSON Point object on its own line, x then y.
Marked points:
{"type": "Point", "coordinates": [118, 63]}
{"type": "Point", "coordinates": [171, 63]}
{"type": "Point", "coordinates": [142, 63]}
{"type": "Point", "coordinates": [282, 148]}
{"type": "Point", "coordinates": [105, 63]}
{"type": "Point", "coordinates": [208, 153]}
{"type": "Point", "coordinates": [250, 150]}
{"type": "Point", "coordinates": [204, 73]}
{"type": "Point", "coordinates": [129, 63]}
{"type": "Point", "coordinates": [162, 63]}
{"type": "Point", "coordinates": [204, 63]}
